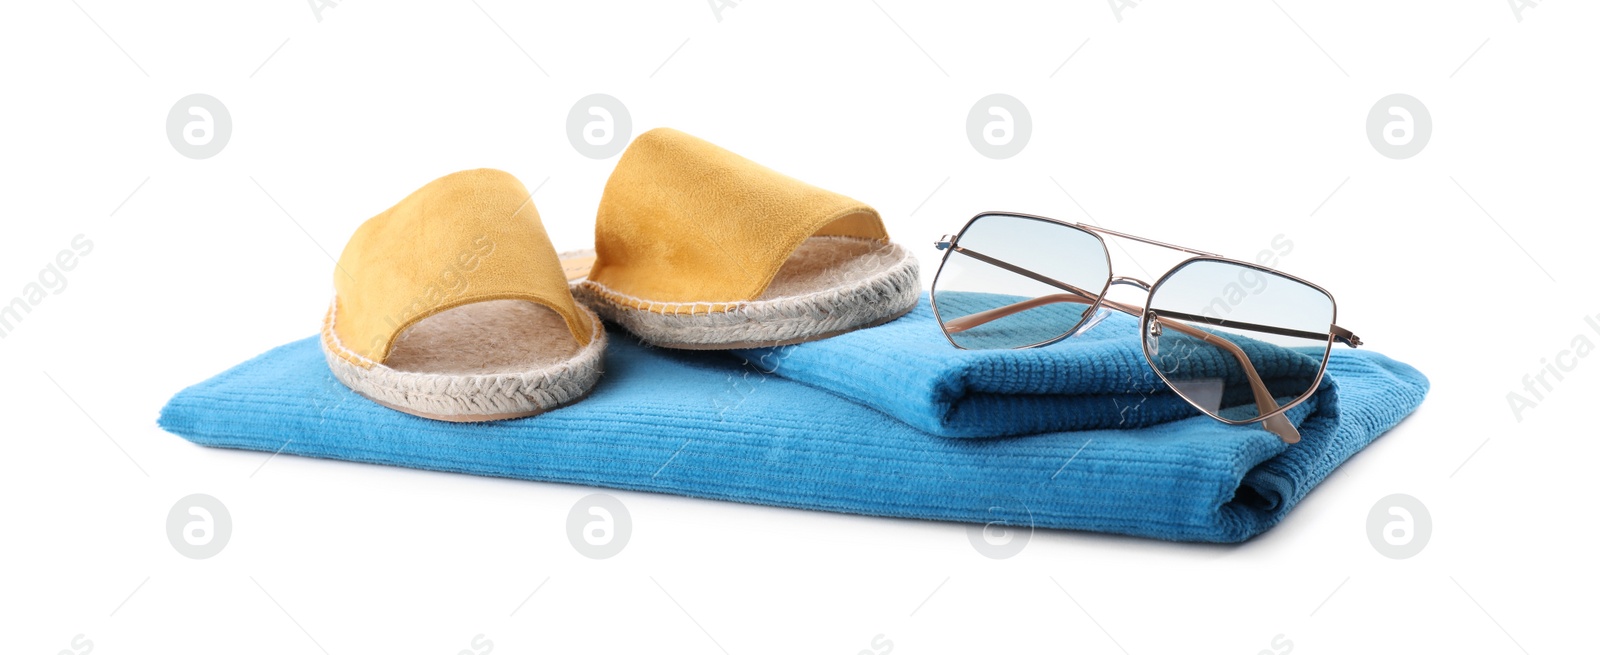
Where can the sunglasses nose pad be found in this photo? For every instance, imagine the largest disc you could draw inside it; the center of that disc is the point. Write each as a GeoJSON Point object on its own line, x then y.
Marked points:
{"type": "Point", "coordinates": [1152, 337]}
{"type": "Point", "coordinates": [1099, 315]}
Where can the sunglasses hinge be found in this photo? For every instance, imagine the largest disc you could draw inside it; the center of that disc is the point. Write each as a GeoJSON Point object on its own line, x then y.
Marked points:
{"type": "Point", "coordinates": [1346, 337]}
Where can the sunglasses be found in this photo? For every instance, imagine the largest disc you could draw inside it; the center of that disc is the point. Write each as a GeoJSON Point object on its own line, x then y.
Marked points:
{"type": "Point", "coordinates": [1239, 341]}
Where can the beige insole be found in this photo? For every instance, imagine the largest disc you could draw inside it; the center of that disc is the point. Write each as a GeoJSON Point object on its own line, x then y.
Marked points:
{"type": "Point", "coordinates": [822, 263]}
{"type": "Point", "coordinates": [495, 336]}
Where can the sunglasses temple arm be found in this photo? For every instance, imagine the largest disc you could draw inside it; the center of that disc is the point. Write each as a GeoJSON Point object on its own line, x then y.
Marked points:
{"type": "Point", "coordinates": [1265, 403]}
{"type": "Point", "coordinates": [1338, 334]}
{"type": "Point", "coordinates": [964, 323]}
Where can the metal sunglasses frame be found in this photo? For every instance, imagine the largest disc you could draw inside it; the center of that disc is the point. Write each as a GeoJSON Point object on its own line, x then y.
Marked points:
{"type": "Point", "coordinates": [951, 244]}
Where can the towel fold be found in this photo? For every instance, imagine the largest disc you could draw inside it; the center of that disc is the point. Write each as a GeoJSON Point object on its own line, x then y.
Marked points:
{"type": "Point", "coordinates": [705, 425]}
{"type": "Point", "coordinates": [1096, 379]}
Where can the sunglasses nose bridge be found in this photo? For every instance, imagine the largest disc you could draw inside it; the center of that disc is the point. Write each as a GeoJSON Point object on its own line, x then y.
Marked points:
{"type": "Point", "coordinates": [1132, 282]}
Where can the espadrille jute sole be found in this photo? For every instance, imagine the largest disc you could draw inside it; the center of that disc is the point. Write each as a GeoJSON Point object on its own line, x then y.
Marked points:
{"type": "Point", "coordinates": [472, 418]}
{"type": "Point", "coordinates": [829, 286]}
{"type": "Point", "coordinates": [742, 345]}
{"type": "Point", "coordinates": [488, 361]}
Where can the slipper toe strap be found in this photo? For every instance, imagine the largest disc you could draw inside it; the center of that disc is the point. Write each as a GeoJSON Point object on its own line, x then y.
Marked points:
{"type": "Point", "coordinates": [684, 221]}
{"type": "Point", "coordinates": [468, 237]}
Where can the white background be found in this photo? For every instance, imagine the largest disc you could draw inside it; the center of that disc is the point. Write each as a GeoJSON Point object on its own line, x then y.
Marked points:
{"type": "Point", "coordinates": [1217, 125]}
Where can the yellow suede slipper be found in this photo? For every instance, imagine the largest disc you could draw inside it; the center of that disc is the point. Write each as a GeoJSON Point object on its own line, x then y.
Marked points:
{"type": "Point", "coordinates": [699, 248]}
{"type": "Point", "coordinates": [452, 305]}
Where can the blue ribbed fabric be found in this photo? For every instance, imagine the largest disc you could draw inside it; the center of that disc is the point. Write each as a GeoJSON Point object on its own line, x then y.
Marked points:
{"type": "Point", "coordinates": [705, 425]}
{"type": "Point", "coordinates": [907, 369]}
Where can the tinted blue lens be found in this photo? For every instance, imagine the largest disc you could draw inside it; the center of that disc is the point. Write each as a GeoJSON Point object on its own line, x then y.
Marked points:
{"type": "Point", "coordinates": [1015, 281]}
{"type": "Point", "coordinates": [1237, 342]}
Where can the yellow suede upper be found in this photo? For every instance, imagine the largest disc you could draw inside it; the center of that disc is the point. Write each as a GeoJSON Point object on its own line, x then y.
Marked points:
{"type": "Point", "coordinates": [466, 237]}
{"type": "Point", "coordinates": [684, 221]}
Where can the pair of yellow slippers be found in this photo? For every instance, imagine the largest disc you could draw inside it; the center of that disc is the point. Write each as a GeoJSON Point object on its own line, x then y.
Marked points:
{"type": "Point", "coordinates": [454, 305]}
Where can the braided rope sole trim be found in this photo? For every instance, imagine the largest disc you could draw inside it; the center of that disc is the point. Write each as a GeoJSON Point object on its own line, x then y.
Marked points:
{"type": "Point", "coordinates": [465, 396]}
{"type": "Point", "coordinates": [889, 292]}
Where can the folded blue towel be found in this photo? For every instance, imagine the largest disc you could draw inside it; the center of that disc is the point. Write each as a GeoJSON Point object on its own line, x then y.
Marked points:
{"type": "Point", "coordinates": [1096, 379]}
{"type": "Point", "coordinates": [704, 425]}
